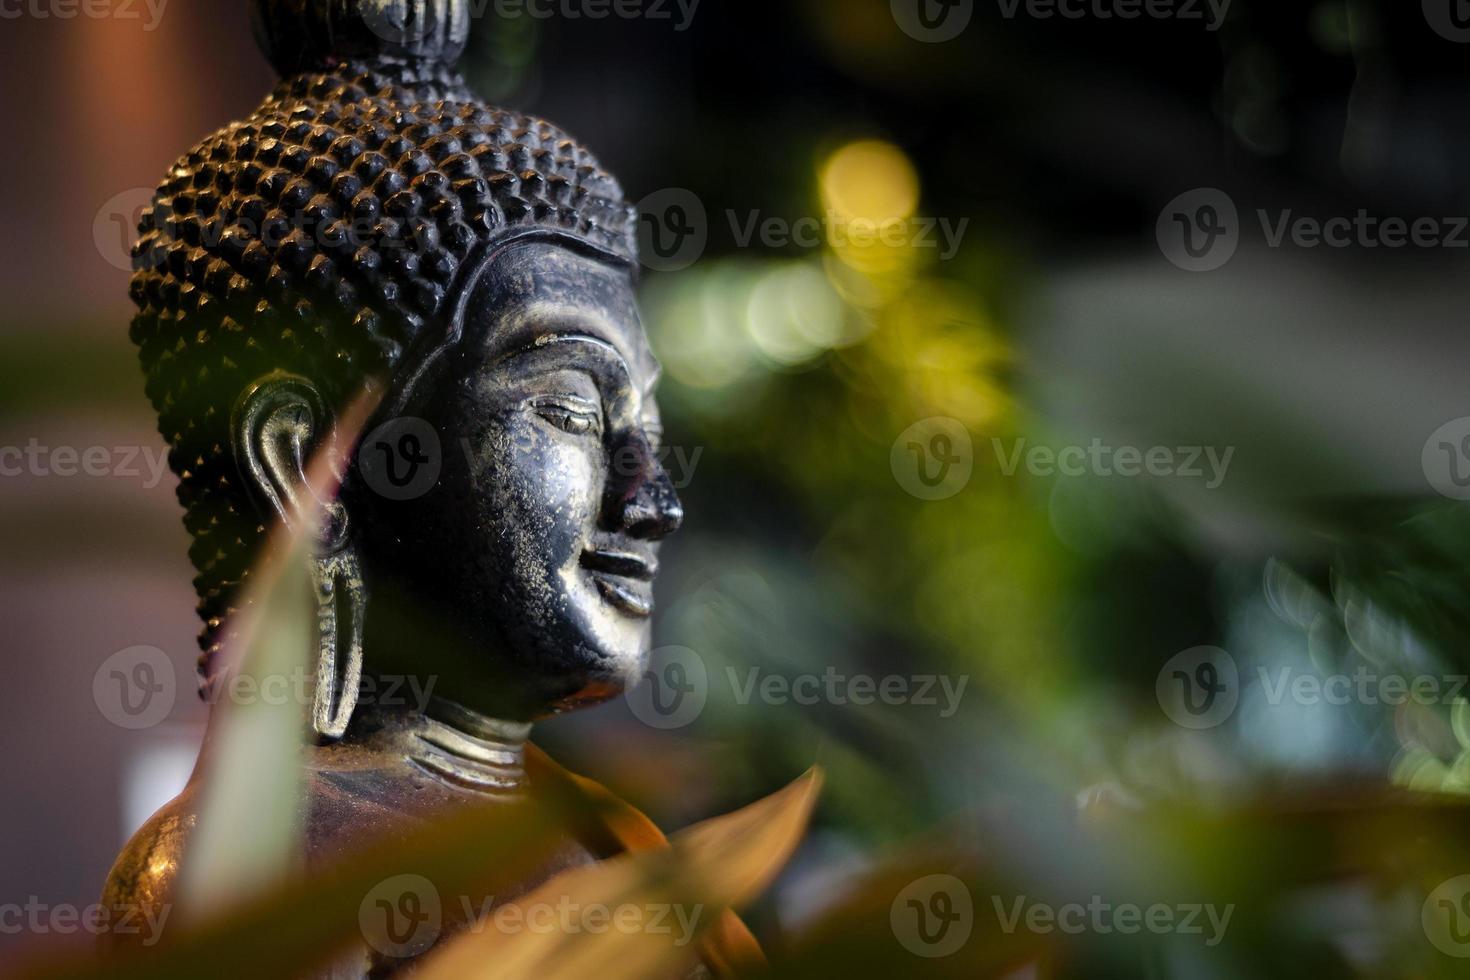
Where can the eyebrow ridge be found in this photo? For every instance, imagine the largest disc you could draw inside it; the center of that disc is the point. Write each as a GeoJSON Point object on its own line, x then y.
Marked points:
{"type": "Point", "coordinates": [545, 341]}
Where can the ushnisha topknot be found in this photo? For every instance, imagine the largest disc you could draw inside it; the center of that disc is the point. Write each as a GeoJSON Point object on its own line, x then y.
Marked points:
{"type": "Point", "coordinates": [326, 234]}
{"type": "Point", "coordinates": [308, 35]}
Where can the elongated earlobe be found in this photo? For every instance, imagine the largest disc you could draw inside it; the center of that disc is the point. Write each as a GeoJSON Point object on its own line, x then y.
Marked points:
{"type": "Point", "coordinates": [341, 609]}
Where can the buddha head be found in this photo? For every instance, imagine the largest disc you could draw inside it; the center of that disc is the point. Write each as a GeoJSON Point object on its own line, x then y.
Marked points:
{"type": "Point", "coordinates": [373, 226]}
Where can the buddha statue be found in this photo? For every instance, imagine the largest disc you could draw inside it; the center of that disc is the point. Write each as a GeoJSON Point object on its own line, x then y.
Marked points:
{"type": "Point", "coordinates": [373, 225]}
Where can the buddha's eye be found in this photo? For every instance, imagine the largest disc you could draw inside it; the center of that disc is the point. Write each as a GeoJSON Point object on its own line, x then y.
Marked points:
{"type": "Point", "coordinates": [576, 416]}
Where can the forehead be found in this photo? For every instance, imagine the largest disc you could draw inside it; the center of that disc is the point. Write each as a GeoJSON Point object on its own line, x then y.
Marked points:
{"type": "Point", "coordinates": [540, 290]}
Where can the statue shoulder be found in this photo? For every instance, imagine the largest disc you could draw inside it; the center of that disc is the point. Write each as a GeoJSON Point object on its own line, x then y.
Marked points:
{"type": "Point", "coordinates": [142, 878]}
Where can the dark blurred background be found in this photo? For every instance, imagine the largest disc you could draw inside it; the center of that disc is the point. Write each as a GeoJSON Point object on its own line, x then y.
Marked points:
{"type": "Point", "coordinates": [1056, 150]}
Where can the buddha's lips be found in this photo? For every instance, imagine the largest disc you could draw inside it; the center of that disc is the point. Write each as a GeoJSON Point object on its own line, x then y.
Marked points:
{"type": "Point", "coordinates": [624, 578]}
{"type": "Point", "coordinates": [622, 564]}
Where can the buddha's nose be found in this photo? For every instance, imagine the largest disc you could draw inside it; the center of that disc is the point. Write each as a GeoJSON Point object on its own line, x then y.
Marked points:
{"type": "Point", "coordinates": [644, 502]}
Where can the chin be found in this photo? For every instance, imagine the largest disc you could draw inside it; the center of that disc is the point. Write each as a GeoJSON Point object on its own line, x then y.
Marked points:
{"type": "Point", "coordinates": [607, 670]}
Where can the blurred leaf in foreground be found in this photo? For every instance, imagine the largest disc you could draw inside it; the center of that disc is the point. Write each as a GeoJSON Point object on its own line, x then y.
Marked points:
{"type": "Point", "coordinates": [250, 767]}
{"type": "Point", "coordinates": [713, 866]}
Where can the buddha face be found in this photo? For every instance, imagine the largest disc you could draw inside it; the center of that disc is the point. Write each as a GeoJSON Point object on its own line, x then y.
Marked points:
{"type": "Point", "coordinates": [522, 579]}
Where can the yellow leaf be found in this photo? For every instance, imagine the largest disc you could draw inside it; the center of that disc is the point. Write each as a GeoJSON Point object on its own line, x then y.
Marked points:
{"type": "Point", "coordinates": [635, 915]}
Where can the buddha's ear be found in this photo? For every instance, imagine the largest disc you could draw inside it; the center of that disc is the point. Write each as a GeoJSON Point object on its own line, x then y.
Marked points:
{"type": "Point", "coordinates": [279, 421]}
{"type": "Point", "coordinates": [282, 430]}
